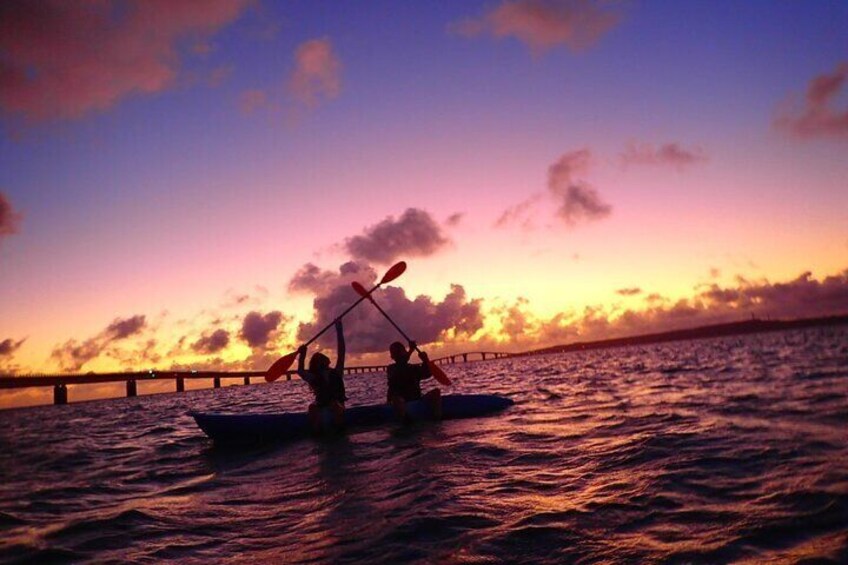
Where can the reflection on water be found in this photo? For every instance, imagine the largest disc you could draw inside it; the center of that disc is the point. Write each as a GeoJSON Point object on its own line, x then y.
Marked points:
{"type": "Point", "coordinates": [710, 451]}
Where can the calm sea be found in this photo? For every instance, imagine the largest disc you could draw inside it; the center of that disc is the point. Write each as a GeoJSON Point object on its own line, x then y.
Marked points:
{"type": "Point", "coordinates": [706, 451]}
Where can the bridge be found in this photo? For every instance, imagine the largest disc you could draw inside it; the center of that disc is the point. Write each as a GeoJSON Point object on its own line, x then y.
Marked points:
{"type": "Point", "coordinates": [60, 382]}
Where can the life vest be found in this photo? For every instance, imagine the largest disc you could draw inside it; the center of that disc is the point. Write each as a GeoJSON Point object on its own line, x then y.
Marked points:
{"type": "Point", "coordinates": [405, 381]}
{"type": "Point", "coordinates": [329, 387]}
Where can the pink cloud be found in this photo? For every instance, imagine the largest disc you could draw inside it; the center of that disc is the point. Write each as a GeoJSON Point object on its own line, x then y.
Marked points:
{"type": "Point", "coordinates": [8, 346]}
{"type": "Point", "coordinates": [671, 154]}
{"type": "Point", "coordinates": [414, 234]}
{"type": "Point", "coordinates": [578, 202]}
{"type": "Point", "coordinates": [801, 297]}
{"type": "Point", "coordinates": [632, 291]}
{"type": "Point", "coordinates": [311, 279]}
{"type": "Point", "coordinates": [423, 318]}
{"type": "Point", "coordinates": [317, 73]}
{"type": "Point", "coordinates": [63, 60]}
{"type": "Point", "coordinates": [253, 100]}
{"type": "Point", "coordinates": [817, 117]}
{"type": "Point", "coordinates": [212, 343]}
{"type": "Point", "coordinates": [520, 214]}
{"type": "Point", "coordinates": [72, 355]}
{"type": "Point", "coordinates": [10, 220]}
{"type": "Point", "coordinates": [544, 24]}
{"type": "Point", "coordinates": [257, 329]}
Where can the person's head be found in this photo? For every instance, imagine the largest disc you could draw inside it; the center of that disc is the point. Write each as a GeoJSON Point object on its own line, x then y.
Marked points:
{"type": "Point", "coordinates": [318, 362]}
{"type": "Point", "coordinates": [398, 352]}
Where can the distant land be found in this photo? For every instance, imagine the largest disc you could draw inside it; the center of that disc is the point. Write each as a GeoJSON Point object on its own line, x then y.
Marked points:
{"type": "Point", "coordinates": [701, 332]}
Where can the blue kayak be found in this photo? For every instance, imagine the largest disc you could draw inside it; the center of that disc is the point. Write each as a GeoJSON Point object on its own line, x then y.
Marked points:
{"type": "Point", "coordinates": [241, 428]}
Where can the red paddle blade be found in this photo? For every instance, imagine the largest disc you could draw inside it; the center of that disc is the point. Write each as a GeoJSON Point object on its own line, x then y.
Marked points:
{"type": "Point", "coordinates": [360, 290]}
{"type": "Point", "coordinates": [439, 375]}
{"type": "Point", "coordinates": [280, 366]}
{"type": "Point", "coordinates": [393, 273]}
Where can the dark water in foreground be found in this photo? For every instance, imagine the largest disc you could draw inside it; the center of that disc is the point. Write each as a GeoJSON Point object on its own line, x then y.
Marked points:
{"type": "Point", "coordinates": [709, 451]}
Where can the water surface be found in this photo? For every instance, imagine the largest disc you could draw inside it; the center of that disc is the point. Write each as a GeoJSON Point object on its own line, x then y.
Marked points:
{"type": "Point", "coordinates": [719, 450]}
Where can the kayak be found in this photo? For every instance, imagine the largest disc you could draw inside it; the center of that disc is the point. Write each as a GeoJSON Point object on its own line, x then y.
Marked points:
{"type": "Point", "coordinates": [241, 428]}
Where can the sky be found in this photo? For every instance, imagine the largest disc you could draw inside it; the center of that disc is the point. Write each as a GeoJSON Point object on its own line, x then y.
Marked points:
{"type": "Point", "coordinates": [191, 184]}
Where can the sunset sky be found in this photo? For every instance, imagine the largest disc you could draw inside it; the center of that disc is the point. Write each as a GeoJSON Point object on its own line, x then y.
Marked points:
{"type": "Point", "coordinates": [195, 184]}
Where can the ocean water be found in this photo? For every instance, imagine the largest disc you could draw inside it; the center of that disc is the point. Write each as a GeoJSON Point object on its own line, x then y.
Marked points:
{"type": "Point", "coordinates": [709, 451]}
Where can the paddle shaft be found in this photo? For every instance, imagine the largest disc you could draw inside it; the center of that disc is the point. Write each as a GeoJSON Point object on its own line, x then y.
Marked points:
{"type": "Point", "coordinates": [392, 322]}
{"type": "Point", "coordinates": [394, 272]}
{"type": "Point", "coordinates": [342, 315]}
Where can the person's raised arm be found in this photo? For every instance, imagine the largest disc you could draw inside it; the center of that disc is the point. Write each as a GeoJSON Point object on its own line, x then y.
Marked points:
{"type": "Point", "coordinates": [426, 373]}
{"type": "Point", "coordinates": [340, 345]}
{"type": "Point", "coordinates": [301, 365]}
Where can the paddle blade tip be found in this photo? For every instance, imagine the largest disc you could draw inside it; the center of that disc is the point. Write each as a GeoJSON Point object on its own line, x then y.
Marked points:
{"type": "Point", "coordinates": [393, 273]}
{"type": "Point", "coordinates": [360, 290]}
{"type": "Point", "coordinates": [279, 367]}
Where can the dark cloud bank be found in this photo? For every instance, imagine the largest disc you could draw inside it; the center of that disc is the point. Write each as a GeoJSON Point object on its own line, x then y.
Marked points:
{"type": "Point", "coordinates": [422, 317]}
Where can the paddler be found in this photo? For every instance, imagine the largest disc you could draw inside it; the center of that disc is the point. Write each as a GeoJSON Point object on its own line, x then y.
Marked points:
{"type": "Point", "coordinates": [405, 381]}
{"type": "Point", "coordinates": [327, 383]}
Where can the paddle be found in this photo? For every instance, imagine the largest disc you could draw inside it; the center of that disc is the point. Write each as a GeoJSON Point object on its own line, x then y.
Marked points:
{"type": "Point", "coordinates": [282, 364]}
{"type": "Point", "coordinates": [435, 370]}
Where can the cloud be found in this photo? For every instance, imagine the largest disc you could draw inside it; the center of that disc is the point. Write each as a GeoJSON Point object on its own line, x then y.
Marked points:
{"type": "Point", "coordinates": [817, 117]}
{"type": "Point", "coordinates": [63, 60]}
{"type": "Point", "coordinates": [257, 329]}
{"type": "Point", "coordinates": [311, 279]}
{"type": "Point", "coordinates": [578, 202]}
{"type": "Point", "coordinates": [121, 329]}
{"type": "Point", "coordinates": [423, 318]}
{"type": "Point", "coordinates": [212, 343]}
{"type": "Point", "coordinates": [253, 100]}
{"type": "Point", "coordinates": [671, 154]}
{"type": "Point", "coordinates": [544, 24]}
{"type": "Point", "coordinates": [629, 291]}
{"type": "Point", "coordinates": [10, 220]}
{"type": "Point", "coordinates": [520, 214]}
{"type": "Point", "coordinates": [414, 234]}
{"type": "Point", "coordinates": [455, 219]}
{"type": "Point", "coordinates": [802, 297]}
{"type": "Point", "coordinates": [72, 355]}
{"type": "Point", "coordinates": [8, 346]}
{"type": "Point", "coordinates": [317, 73]}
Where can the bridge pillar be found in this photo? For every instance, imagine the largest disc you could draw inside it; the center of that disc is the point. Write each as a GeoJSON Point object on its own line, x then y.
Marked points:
{"type": "Point", "coordinates": [60, 394]}
{"type": "Point", "coordinates": [247, 380]}
{"type": "Point", "coordinates": [132, 388]}
{"type": "Point", "coordinates": [180, 384]}
{"type": "Point", "coordinates": [465, 357]}
{"type": "Point", "coordinates": [288, 376]}
{"type": "Point", "coordinates": [484, 356]}
{"type": "Point", "coordinates": [216, 382]}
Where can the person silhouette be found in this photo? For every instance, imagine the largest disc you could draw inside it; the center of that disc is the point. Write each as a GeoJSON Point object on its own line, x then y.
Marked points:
{"type": "Point", "coordinates": [404, 381]}
{"type": "Point", "coordinates": [327, 384]}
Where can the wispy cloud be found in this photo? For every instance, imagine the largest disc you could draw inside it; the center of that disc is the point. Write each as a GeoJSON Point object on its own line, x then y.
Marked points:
{"type": "Point", "coordinates": [577, 201]}
{"type": "Point", "coordinates": [8, 346]}
{"type": "Point", "coordinates": [414, 234]}
{"type": "Point", "coordinates": [317, 74]}
{"type": "Point", "coordinates": [632, 291]}
{"type": "Point", "coordinates": [10, 220]}
{"type": "Point", "coordinates": [73, 355]}
{"type": "Point", "coordinates": [817, 116]}
{"type": "Point", "coordinates": [63, 60]}
{"type": "Point", "coordinates": [544, 24]}
{"type": "Point", "coordinates": [253, 100]}
{"type": "Point", "coordinates": [668, 154]}
{"type": "Point", "coordinates": [521, 214]}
